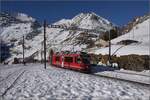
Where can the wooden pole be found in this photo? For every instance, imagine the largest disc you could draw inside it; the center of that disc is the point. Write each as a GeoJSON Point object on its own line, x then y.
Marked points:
{"type": "Point", "coordinates": [45, 44]}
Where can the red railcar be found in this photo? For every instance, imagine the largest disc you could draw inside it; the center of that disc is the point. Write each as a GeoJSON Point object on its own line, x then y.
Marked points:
{"type": "Point", "coordinates": [77, 61]}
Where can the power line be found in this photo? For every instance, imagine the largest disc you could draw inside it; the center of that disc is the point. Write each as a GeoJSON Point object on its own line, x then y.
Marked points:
{"type": "Point", "coordinates": [76, 28]}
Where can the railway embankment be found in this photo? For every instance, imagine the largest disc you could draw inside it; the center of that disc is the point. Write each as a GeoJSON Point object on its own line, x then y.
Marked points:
{"type": "Point", "coordinates": [128, 62]}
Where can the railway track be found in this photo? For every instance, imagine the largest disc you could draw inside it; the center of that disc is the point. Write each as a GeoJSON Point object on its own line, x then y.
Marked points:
{"type": "Point", "coordinates": [5, 78]}
{"type": "Point", "coordinates": [120, 79]}
{"type": "Point", "coordinates": [12, 84]}
{"type": "Point", "coordinates": [117, 78]}
{"type": "Point", "coordinates": [132, 73]}
{"type": "Point", "coordinates": [121, 75]}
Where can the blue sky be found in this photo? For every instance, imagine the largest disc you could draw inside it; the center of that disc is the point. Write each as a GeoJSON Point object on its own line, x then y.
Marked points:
{"type": "Point", "coordinates": [118, 12]}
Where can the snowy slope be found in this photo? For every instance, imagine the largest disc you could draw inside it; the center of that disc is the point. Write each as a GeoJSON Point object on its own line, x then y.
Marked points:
{"type": "Point", "coordinates": [13, 27]}
{"type": "Point", "coordinates": [83, 20]}
{"type": "Point", "coordinates": [139, 33]}
{"type": "Point", "coordinates": [16, 31]}
{"type": "Point", "coordinates": [32, 81]}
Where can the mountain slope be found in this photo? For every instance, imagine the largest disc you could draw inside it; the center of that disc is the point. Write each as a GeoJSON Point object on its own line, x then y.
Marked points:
{"type": "Point", "coordinates": [78, 38]}
{"type": "Point", "coordinates": [16, 25]}
{"type": "Point", "coordinates": [136, 41]}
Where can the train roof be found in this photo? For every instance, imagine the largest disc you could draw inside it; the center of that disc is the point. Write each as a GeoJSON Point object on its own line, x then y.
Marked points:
{"type": "Point", "coordinates": [70, 53]}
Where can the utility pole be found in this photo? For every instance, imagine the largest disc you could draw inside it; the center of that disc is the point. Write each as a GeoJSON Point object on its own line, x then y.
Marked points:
{"type": "Point", "coordinates": [41, 52]}
{"type": "Point", "coordinates": [109, 58]}
{"type": "Point", "coordinates": [44, 44]}
{"type": "Point", "coordinates": [23, 50]}
{"type": "Point", "coordinates": [133, 32]}
{"type": "Point", "coordinates": [73, 47]}
{"type": "Point", "coordinates": [0, 49]}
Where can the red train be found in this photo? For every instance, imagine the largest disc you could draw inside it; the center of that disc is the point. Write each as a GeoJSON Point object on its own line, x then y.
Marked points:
{"type": "Point", "coordinates": [71, 60]}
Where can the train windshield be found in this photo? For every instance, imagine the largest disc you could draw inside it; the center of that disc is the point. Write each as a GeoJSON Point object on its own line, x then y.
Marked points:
{"type": "Point", "coordinates": [86, 61]}
{"type": "Point", "coordinates": [86, 58]}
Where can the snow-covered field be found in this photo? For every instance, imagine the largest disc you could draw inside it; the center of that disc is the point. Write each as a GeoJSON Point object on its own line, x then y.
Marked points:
{"type": "Point", "coordinates": [33, 82]}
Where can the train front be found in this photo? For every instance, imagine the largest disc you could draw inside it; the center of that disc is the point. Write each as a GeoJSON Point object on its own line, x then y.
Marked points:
{"type": "Point", "coordinates": [86, 61]}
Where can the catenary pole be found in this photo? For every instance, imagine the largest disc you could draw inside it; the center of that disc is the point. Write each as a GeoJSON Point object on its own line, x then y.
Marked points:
{"type": "Point", "coordinates": [109, 48]}
{"type": "Point", "coordinates": [45, 44]}
{"type": "Point", "coordinates": [23, 50]}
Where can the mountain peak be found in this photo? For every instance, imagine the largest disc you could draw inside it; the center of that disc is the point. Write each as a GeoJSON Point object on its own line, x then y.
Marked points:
{"type": "Point", "coordinates": [91, 21]}
{"type": "Point", "coordinates": [88, 21]}
{"type": "Point", "coordinates": [87, 14]}
{"type": "Point", "coordinates": [90, 15]}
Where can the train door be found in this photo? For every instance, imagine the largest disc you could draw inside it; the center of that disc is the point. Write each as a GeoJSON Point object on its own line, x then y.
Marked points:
{"type": "Point", "coordinates": [51, 56]}
{"type": "Point", "coordinates": [78, 62]}
{"type": "Point", "coordinates": [62, 63]}
{"type": "Point", "coordinates": [57, 60]}
{"type": "Point", "coordinates": [68, 61]}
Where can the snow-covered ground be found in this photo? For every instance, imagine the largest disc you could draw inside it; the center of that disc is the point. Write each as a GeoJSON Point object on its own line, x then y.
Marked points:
{"type": "Point", "coordinates": [33, 82]}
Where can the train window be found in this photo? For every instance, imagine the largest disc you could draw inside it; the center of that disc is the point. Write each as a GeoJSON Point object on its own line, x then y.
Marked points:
{"type": "Point", "coordinates": [69, 59]}
{"type": "Point", "coordinates": [86, 59]}
{"type": "Point", "coordinates": [78, 60]}
{"type": "Point", "coordinates": [57, 58]}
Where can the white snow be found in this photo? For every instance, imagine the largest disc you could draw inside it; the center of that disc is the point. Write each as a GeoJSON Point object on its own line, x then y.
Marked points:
{"type": "Point", "coordinates": [36, 83]}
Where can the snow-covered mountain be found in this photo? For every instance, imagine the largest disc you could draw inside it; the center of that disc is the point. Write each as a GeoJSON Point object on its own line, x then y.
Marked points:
{"type": "Point", "coordinates": [14, 26]}
{"type": "Point", "coordinates": [135, 41]}
{"type": "Point", "coordinates": [88, 21]}
{"type": "Point", "coordinates": [78, 38]}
